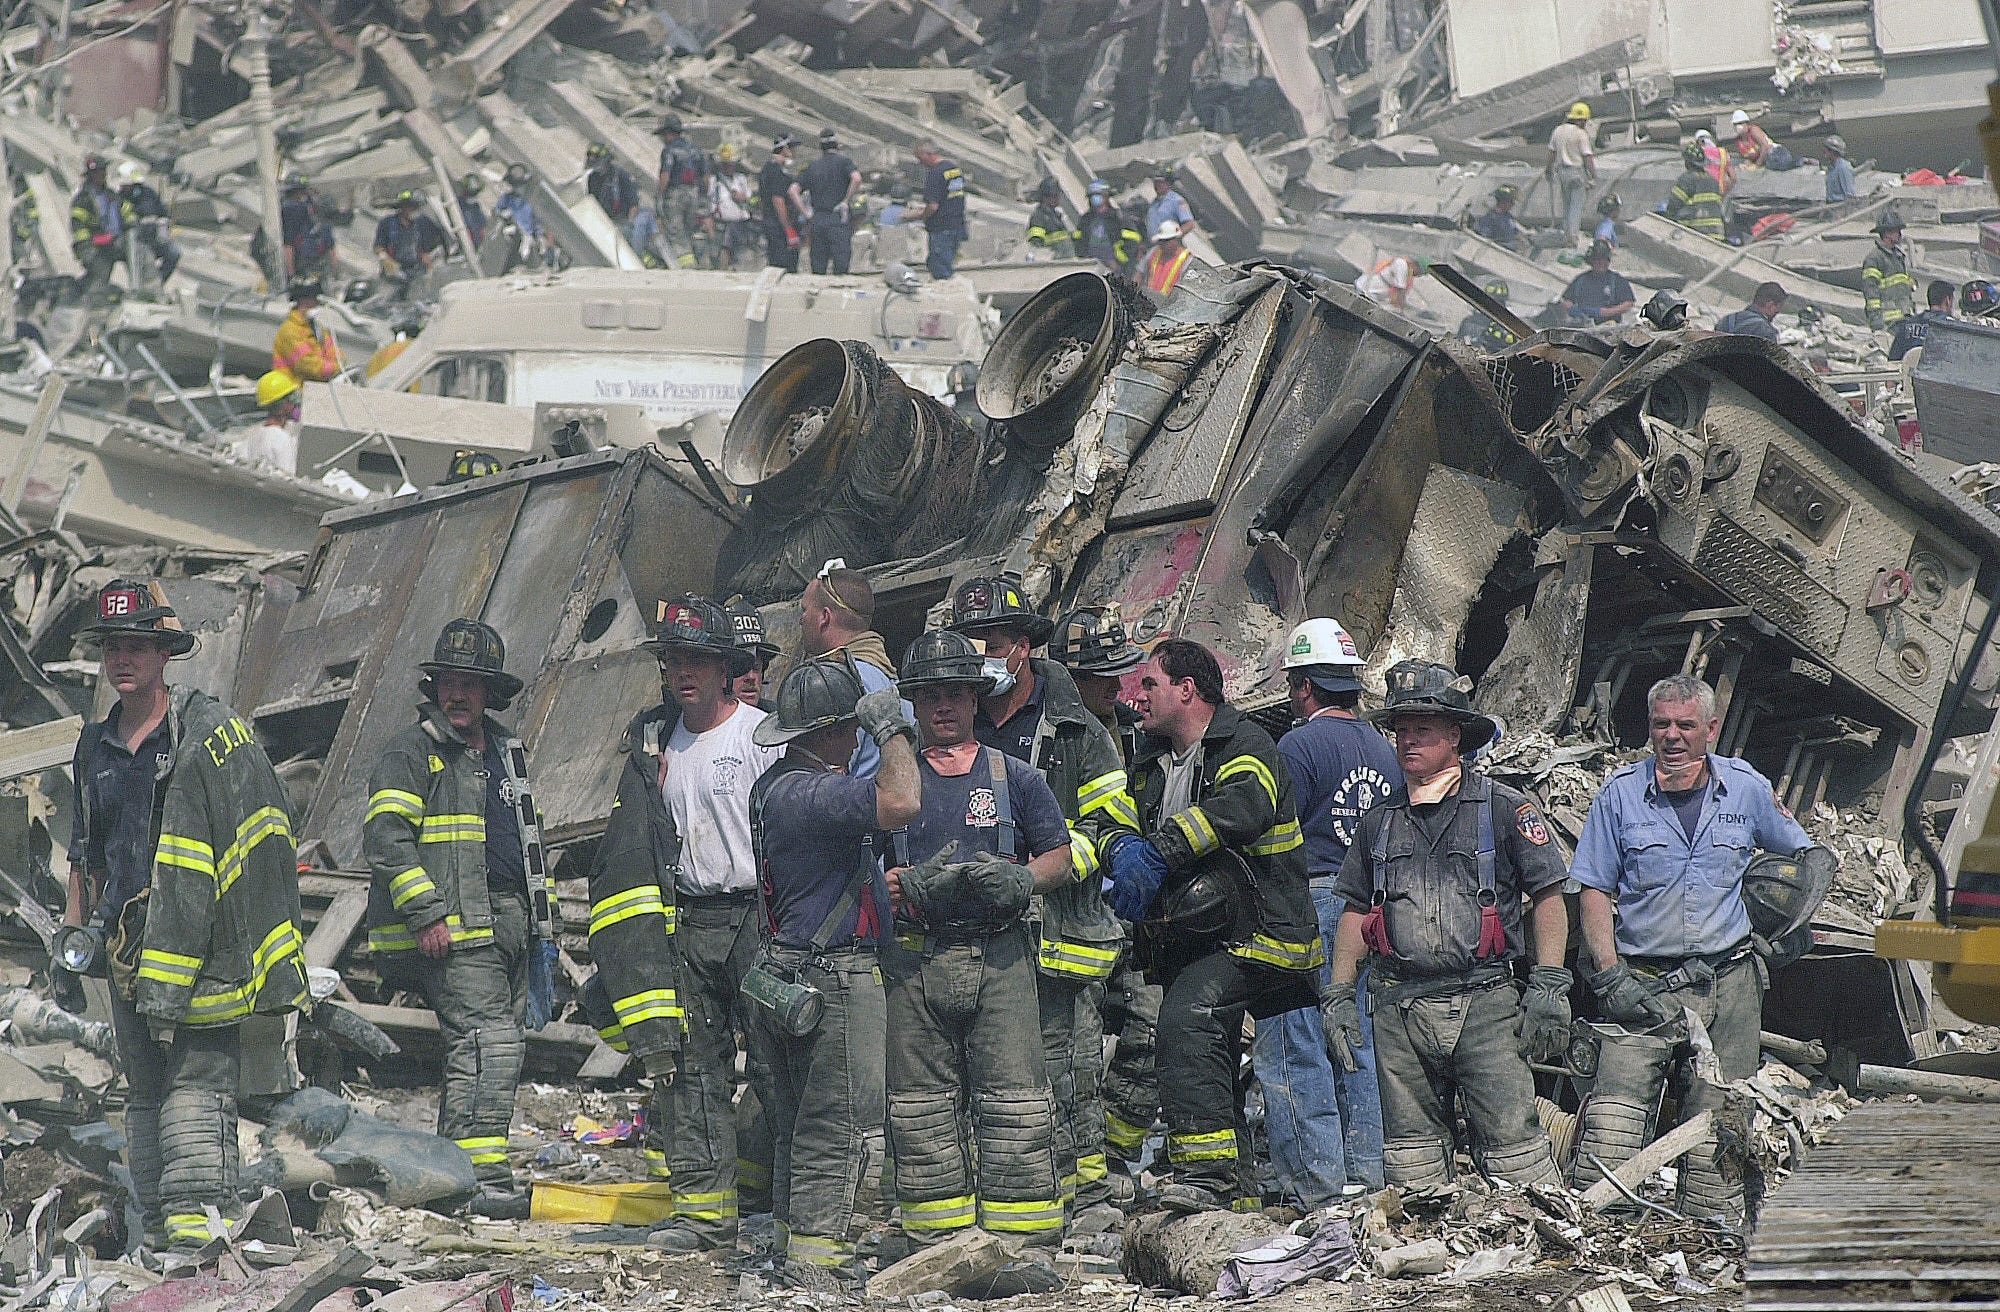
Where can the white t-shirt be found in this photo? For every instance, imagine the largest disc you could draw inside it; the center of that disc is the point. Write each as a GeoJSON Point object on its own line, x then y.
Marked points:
{"type": "Point", "coordinates": [1571, 143]}
{"type": "Point", "coordinates": [1183, 777]}
{"type": "Point", "coordinates": [708, 790]}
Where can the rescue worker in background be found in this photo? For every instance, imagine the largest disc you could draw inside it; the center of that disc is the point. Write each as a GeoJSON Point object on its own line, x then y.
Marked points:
{"type": "Point", "coordinates": [407, 242]}
{"type": "Point", "coordinates": [1663, 851]}
{"type": "Point", "coordinates": [514, 205]}
{"type": "Point", "coordinates": [1597, 295]}
{"type": "Point", "coordinates": [1168, 205]}
{"type": "Point", "coordinates": [1220, 881]}
{"type": "Point", "coordinates": [471, 211]}
{"type": "Point", "coordinates": [407, 322]}
{"type": "Point", "coordinates": [1434, 882]}
{"type": "Point", "coordinates": [683, 190]}
{"type": "Point", "coordinates": [835, 612]}
{"type": "Point", "coordinates": [306, 230]}
{"type": "Point", "coordinates": [1034, 714]}
{"type": "Point", "coordinates": [1912, 332]}
{"type": "Point", "coordinates": [1755, 147]}
{"type": "Point", "coordinates": [732, 192]}
{"type": "Point", "coordinates": [148, 219]}
{"type": "Point", "coordinates": [450, 907]}
{"type": "Point", "coordinates": [1840, 184]}
{"type": "Point", "coordinates": [97, 223]}
{"type": "Point", "coordinates": [1696, 200]}
{"type": "Point", "coordinates": [1608, 213]}
{"type": "Point", "coordinates": [275, 442]}
{"type": "Point", "coordinates": [1716, 160]}
{"type": "Point", "coordinates": [965, 1063]}
{"type": "Point", "coordinates": [830, 182]}
{"type": "Point", "coordinates": [778, 193]}
{"type": "Point", "coordinates": [942, 210]}
{"type": "Point", "coordinates": [1979, 299]}
{"type": "Point", "coordinates": [826, 911]}
{"type": "Point", "coordinates": [1755, 319]}
{"type": "Point", "coordinates": [1572, 168]}
{"type": "Point", "coordinates": [1090, 643]}
{"type": "Point", "coordinates": [1499, 224]}
{"type": "Point", "coordinates": [1484, 331]}
{"type": "Point", "coordinates": [614, 190]}
{"type": "Point", "coordinates": [302, 348]}
{"type": "Point", "coordinates": [746, 625]}
{"type": "Point", "coordinates": [1105, 235]}
{"type": "Point", "coordinates": [1324, 1123]}
{"type": "Point", "coordinates": [1888, 292]}
{"type": "Point", "coordinates": [706, 763]}
{"type": "Point", "coordinates": [1049, 232]}
{"type": "Point", "coordinates": [1164, 264]}
{"type": "Point", "coordinates": [182, 858]}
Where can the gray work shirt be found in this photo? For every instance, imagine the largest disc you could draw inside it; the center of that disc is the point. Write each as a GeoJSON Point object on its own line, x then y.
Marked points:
{"type": "Point", "coordinates": [1681, 896]}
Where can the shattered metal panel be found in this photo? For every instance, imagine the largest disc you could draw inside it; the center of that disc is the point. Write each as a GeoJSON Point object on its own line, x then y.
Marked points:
{"type": "Point", "coordinates": [1529, 684]}
{"type": "Point", "coordinates": [1455, 537]}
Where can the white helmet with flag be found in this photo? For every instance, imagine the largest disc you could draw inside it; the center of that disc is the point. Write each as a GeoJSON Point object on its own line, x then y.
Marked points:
{"type": "Point", "coordinates": [1324, 652]}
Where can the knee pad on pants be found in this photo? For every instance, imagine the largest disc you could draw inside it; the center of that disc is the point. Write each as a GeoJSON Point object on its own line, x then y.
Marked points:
{"type": "Point", "coordinates": [1015, 1130]}
{"type": "Point", "coordinates": [499, 1053]}
{"type": "Point", "coordinates": [930, 1155]}
{"type": "Point", "coordinates": [1706, 1191]}
{"type": "Point", "coordinates": [1419, 1163]}
{"type": "Point", "coordinates": [1524, 1163]}
{"type": "Point", "coordinates": [1610, 1129]}
{"type": "Point", "coordinates": [142, 1154]}
{"type": "Point", "coordinates": [198, 1149]}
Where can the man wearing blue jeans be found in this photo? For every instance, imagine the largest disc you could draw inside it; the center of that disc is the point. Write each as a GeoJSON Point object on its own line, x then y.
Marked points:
{"type": "Point", "coordinates": [1325, 1126]}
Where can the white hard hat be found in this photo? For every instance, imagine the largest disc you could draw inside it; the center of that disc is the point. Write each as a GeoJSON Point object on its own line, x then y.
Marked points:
{"type": "Point", "coordinates": [130, 171]}
{"type": "Point", "coordinates": [1168, 230]}
{"type": "Point", "coordinates": [1738, 119]}
{"type": "Point", "coordinates": [1322, 642]}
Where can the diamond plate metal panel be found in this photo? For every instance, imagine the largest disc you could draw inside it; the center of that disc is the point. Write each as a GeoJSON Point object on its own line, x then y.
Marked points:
{"type": "Point", "coordinates": [1771, 585]}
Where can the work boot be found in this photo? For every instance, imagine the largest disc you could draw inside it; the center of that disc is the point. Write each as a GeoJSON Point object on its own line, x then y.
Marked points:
{"type": "Point", "coordinates": [1187, 1198]}
{"type": "Point", "coordinates": [673, 1237]}
{"type": "Point", "coordinates": [498, 1204]}
{"type": "Point", "coordinates": [1033, 1272]}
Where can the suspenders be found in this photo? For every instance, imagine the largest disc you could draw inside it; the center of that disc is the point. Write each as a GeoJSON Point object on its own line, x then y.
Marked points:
{"type": "Point", "coordinates": [995, 762]}
{"type": "Point", "coordinates": [1492, 933]}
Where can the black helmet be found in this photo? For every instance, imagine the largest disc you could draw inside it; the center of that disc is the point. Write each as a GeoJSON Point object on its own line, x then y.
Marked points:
{"type": "Point", "coordinates": [409, 196]}
{"type": "Point", "coordinates": [943, 656]}
{"type": "Point", "coordinates": [299, 288]}
{"type": "Point", "coordinates": [1610, 204]}
{"type": "Point", "coordinates": [1050, 189]}
{"type": "Point", "coordinates": [1600, 249]}
{"type": "Point", "coordinates": [1092, 640]}
{"type": "Point", "coordinates": [746, 626]}
{"type": "Point", "coordinates": [1890, 221]}
{"type": "Point", "coordinates": [1496, 288]}
{"type": "Point", "coordinates": [783, 141]}
{"type": "Point", "coordinates": [1694, 156]}
{"type": "Point", "coordinates": [471, 647]}
{"type": "Point", "coordinates": [1205, 907]}
{"type": "Point", "coordinates": [1427, 688]}
{"type": "Point", "coordinates": [597, 150]}
{"type": "Point", "coordinates": [518, 174]}
{"type": "Point", "coordinates": [1978, 297]}
{"type": "Point", "coordinates": [472, 184]}
{"type": "Point", "coordinates": [295, 181]}
{"type": "Point", "coordinates": [817, 694]}
{"type": "Point", "coordinates": [467, 463]}
{"type": "Point", "coordinates": [1506, 191]}
{"type": "Point", "coordinates": [698, 625]}
{"type": "Point", "coordinates": [1782, 893]}
{"type": "Point", "coordinates": [127, 606]}
{"type": "Point", "coordinates": [991, 603]}
{"type": "Point", "coordinates": [671, 122]}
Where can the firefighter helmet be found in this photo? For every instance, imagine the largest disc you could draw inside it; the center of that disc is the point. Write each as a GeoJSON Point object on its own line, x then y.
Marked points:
{"type": "Point", "coordinates": [817, 694]}
{"type": "Point", "coordinates": [129, 607]}
{"type": "Point", "coordinates": [980, 604]}
{"type": "Point", "coordinates": [1092, 640]}
{"type": "Point", "coordinates": [943, 656]}
{"type": "Point", "coordinates": [697, 625]}
{"type": "Point", "coordinates": [467, 464]}
{"type": "Point", "coordinates": [1428, 688]}
{"type": "Point", "coordinates": [467, 646]}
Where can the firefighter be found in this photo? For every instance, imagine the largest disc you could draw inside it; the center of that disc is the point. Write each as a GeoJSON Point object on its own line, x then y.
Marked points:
{"type": "Point", "coordinates": [459, 893]}
{"type": "Point", "coordinates": [1219, 881]}
{"type": "Point", "coordinates": [302, 348]}
{"type": "Point", "coordinates": [147, 213]}
{"type": "Point", "coordinates": [1696, 200]}
{"type": "Point", "coordinates": [1483, 330]}
{"type": "Point", "coordinates": [683, 190]}
{"type": "Point", "coordinates": [471, 210]}
{"type": "Point", "coordinates": [965, 1065]}
{"type": "Point", "coordinates": [1049, 232]}
{"type": "Point", "coordinates": [1888, 292]}
{"type": "Point", "coordinates": [1665, 847]}
{"type": "Point", "coordinates": [942, 210]}
{"type": "Point", "coordinates": [514, 205]}
{"type": "Point", "coordinates": [182, 858]}
{"type": "Point", "coordinates": [1498, 224]}
{"type": "Point", "coordinates": [98, 219]}
{"type": "Point", "coordinates": [747, 626]}
{"type": "Point", "coordinates": [407, 242]}
{"type": "Point", "coordinates": [826, 907]}
{"type": "Point", "coordinates": [305, 231]}
{"type": "Point", "coordinates": [1105, 235]}
{"type": "Point", "coordinates": [1090, 643]}
{"type": "Point", "coordinates": [1434, 881]}
{"type": "Point", "coordinates": [1034, 714]}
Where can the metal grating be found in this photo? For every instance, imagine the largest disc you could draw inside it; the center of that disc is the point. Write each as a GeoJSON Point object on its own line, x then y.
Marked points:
{"type": "Point", "coordinates": [1773, 586]}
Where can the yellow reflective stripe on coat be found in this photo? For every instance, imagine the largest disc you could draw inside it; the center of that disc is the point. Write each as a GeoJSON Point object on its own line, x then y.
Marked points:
{"type": "Point", "coordinates": [1277, 952]}
{"type": "Point", "coordinates": [1208, 1146]}
{"type": "Point", "coordinates": [394, 801]}
{"type": "Point", "coordinates": [1110, 793]}
{"type": "Point", "coordinates": [1196, 829]}
{"type": "Point", "coordinates": [1021, 1218]}
{"type": "Point", "coordinates": [233, 1004]}
{"type": "Point", "coordinates": [168, 967]}
{"type": "Point", "coordinates": [453, 829]}
{"type": "Point", "coordinates": [485, 1150]}
{"type": "Point", "coordinates": [1083, 862]}
{"type": "Point", "coordinates": [1250, 765]}
{"type": "Point", "coordinates": [1081, 960]}
{"type": "Point", "coordinates": [939, 1214]}
{"type": "Point", "coordinates": [614, 1037]}
{"type": "Point", "coordinates": [644, 900]}
{"type": "Point", "coordinates": [187, 853]}
{"type": "Point", "coordinates": [261, 824]}
{"type": "Point", "coordinates": [1278, 838]}
{"type": "Point", "coordinates": [653, 1004]}
{"type": "Point", "coordinates": [396, 936]}
{"type": "Point", "coordinates": [412, 883]}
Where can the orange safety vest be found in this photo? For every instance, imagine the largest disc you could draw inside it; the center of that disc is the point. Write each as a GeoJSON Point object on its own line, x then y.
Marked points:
{"type": "Point", "coordinates": [1163, 275]}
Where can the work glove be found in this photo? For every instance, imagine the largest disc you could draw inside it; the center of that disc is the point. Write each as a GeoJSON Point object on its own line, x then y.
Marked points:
{"type": "Point", "coordinates": [994, 890]}
{"type": "Point", "coordinates": [926, 887]}
{"type": "Point", "coordinates": [881, 716]}
{"type": "Point", "coordinates": [1137, 870]}
{"type": "Point", "coordinates": [1341, 1014]}
{"type": "Point", "coordinates": [1625, 1001]}
{"type": "Point", "coordinates": [1544, 1029]}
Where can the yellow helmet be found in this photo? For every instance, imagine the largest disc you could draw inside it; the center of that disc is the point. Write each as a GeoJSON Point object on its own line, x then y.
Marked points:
{"type": "Point", "coordinates": [276, 386]}
{"type": "Point", "coordinates": [1579, 112]}
{"type": "Point", "coordinates": [726, 152]}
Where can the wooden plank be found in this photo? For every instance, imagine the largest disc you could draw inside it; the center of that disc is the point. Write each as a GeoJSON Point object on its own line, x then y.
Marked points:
{"type": "Point", "coordinates": [38, 747]}
{"type": "Point", "coordinates": [336, 925]}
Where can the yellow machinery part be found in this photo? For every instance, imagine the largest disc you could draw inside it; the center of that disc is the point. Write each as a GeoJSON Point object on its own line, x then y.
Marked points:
{"type": "Point", "coordinates": [1966, 973]}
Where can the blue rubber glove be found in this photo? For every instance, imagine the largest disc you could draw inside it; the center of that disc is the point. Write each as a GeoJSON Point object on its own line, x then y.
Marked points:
{"type": "Point", "coordinates": [1137, 869]}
